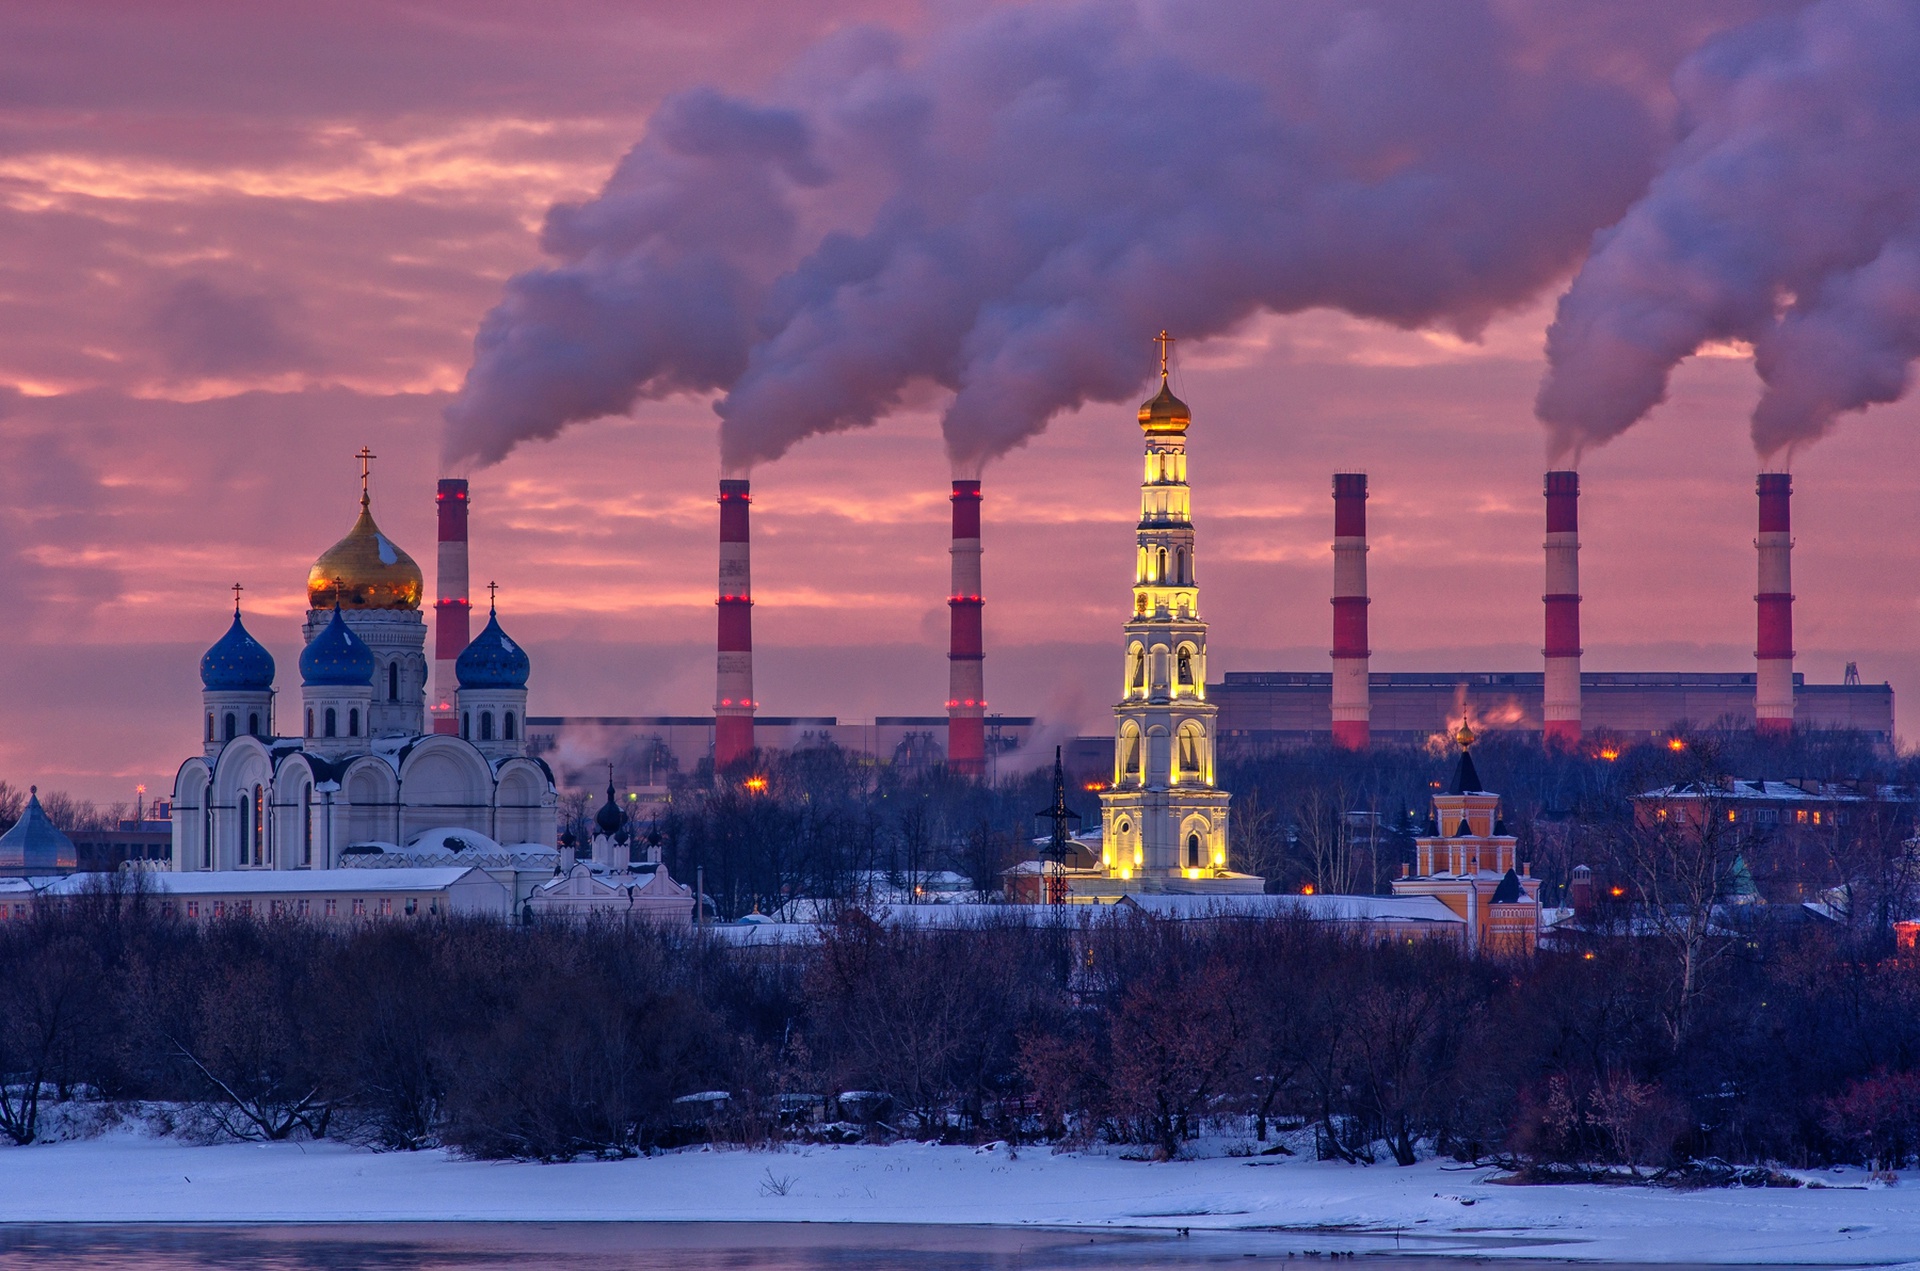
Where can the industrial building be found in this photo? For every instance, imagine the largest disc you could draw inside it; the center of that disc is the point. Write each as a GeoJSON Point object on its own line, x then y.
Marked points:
{"type": "Point", "coordinates": [646, 750]}
{"type": "Point", "coordinates": [1269, 707]}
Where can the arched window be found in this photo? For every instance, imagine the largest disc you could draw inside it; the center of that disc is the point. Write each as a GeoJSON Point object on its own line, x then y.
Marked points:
{"type": "Point", "coordinates": [333, 723]}
{"type": "Point", "coordinates": [486, 725]}
{"type": "Point", "coordinates": [393, 681]}
{"type": "Point", "coordinates": [466, 725]}
{"type": "Point", "coordinates": [1180, 566]}
{"type": "Point", "coordinates": [209, 726]}
{"type": "Point", "coordinates": [246, 829]}
{"type": "Point", "coordinates": [306, 824]}
{"type": "Point", "coordinates": [259, 826]}
{"type": "Point", "coordinates": [228, 735]}
{"type": "Point", "coordinates": [1138, 679]}
{"type": "Point", "coordinates": [1193, 851]}
{"type": "Point", "coordinates": [506, 726]}
{"type": "Point", "coordinates": [1130, 765]}
{"type": "Point", "coordinates": [253, 723]}
{"type": "Point", "coordinates": [353, 722]}
{"type": "Point", "coordinates": [1183, 673]}
{"type": "Point", "coordinates": [1190, 748]}
{"type": "Point", "coordinates": [309, 721]}
{"type": "Point", "coordinates": [1162, 559]}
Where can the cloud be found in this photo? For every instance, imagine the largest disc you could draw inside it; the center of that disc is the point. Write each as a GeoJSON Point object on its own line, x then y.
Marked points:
{"type": "Point", "coordinates": [1788, 217]}
{"type": "Point", "coordinates": [1010, 207]}
{"type": "Point", "coordinates": [200, 328]}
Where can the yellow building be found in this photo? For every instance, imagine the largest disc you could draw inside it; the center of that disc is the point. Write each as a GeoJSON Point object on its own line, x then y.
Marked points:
{"type": "Point", "coordinates": [1467, 861]}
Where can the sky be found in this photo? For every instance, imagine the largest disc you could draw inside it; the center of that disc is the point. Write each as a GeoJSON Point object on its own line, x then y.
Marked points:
{"type": "Point", "coordinates": [239, 242]}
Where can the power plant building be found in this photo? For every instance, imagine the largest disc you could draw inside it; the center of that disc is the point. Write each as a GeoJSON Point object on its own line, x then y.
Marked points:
{"type": "Point", "coordinates": [1271, 707]}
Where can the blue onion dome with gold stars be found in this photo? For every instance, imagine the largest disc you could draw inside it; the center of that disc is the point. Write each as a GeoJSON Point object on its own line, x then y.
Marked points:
{"type": "Point", "coordinates": [492, 659]}
{"type": "Point", "coordinates": [366, 569]}
{"type": "Point", "coordinates": [237, 663]}
{"type": "Point", "coordinates": [337, 657]}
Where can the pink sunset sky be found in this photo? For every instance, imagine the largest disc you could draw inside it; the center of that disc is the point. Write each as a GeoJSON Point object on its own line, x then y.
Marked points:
{"type": "Point", "coordinates": [239, 241]}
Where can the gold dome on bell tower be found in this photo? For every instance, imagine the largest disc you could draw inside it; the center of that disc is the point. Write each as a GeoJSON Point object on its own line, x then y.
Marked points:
{"type": "Point", "coordinates": [366, 569]}
{"type": "Point", "coordinates": [1164, 413]}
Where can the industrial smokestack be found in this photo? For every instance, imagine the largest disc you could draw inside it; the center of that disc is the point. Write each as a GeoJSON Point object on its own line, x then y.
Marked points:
{"type": "Point", "coordinates": [733, 709]}
{"type": "Point", "coordinates": [1773, 651]}
{"type": "Point", "coordinates": [1351, 708]}
{"type": "Point", "coordinates": [966, 657]}
{"type": "Point", "coordinates": [1562, 651]}
{"type": "Point", "coordinates": [451, 608]}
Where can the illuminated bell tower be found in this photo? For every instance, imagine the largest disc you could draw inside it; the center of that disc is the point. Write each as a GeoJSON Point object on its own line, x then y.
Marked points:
{"type": "Point", "coordinates": [1163, 819]}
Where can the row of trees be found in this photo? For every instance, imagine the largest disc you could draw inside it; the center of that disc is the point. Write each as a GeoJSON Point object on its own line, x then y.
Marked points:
{"type": "Point", "coordinates": [553, 1041]}
{"type": "Point", "coordinates": [822, 823]}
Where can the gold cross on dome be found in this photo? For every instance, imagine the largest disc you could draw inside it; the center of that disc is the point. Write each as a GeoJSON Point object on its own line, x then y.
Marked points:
{"type": "Point", "coordinates": [493, 591]}
{"type": "Point", "coordinates": [1166, 343]}
{"type": "Point", "coordinates": [236, 597]}
{"type": "Point", "coordinates": [366, 458]}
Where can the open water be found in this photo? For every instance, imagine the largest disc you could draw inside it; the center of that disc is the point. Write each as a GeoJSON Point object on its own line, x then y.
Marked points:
{"type": "Point", "coordinates": [734, 1247]}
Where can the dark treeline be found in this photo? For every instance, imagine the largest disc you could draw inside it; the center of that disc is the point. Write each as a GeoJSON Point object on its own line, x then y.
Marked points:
{"type": "Point", "coordinates": [822, 823]}
{"type": "Point", "coordinates": [1798, 1044]}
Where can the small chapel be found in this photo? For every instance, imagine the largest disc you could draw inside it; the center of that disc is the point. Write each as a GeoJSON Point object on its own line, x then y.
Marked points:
{"type": "Point", "coordinates": [1467, 861]}
{"type": "Point", "coordinates": [353, 767]}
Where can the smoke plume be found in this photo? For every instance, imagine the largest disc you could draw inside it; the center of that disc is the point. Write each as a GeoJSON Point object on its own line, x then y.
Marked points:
{"type": "Point", "coordinates": [1010, 207]}
{"type": "Point", "coordinates": [1787, 217]}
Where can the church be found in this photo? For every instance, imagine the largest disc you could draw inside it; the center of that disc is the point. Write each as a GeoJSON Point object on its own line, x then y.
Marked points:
{"type": "Point", "coordinates": [1163, 820]}
{"type": "Point", "coordinates": [354, 770]}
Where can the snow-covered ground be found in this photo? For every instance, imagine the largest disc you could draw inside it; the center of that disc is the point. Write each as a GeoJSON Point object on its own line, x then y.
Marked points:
{"type": "Point", "coordinates": [128, 1177]}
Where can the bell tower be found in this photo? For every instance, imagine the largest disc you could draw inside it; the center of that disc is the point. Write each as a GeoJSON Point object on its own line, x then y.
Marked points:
{"type": "Point", "coordinates": [1163, 819]}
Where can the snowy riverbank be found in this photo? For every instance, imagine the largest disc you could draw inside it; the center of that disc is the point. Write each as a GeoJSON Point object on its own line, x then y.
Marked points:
{"type": "Point", "coordinates": [126, 1177]}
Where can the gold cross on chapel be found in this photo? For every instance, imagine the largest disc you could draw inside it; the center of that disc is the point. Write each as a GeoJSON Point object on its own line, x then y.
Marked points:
{"type": "Point", "coordinates": [1166, 343]}
{"type": "Point", "coordinates": [366, 458]}
{"type": "Point", "coordinates": [493, 592]}
{"type": "Point", "coordinates": [236, 597]}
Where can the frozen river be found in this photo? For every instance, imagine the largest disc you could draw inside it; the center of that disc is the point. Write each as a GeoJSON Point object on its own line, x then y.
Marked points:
{"type": "Point", "coordinates": [577, 1246]}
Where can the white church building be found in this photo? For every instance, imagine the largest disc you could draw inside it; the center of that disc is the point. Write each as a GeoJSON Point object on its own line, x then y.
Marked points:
{"type": "Point", "coordinates": [354, 771]}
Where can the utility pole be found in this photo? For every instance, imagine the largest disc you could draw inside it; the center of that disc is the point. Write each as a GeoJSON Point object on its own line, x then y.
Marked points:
{"type": "Point", "coordinates": [1054, 857]}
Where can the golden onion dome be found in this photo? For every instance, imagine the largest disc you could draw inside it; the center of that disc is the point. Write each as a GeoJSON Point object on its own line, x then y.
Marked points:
{"type": "Point", "coordinates": [373, 572]}
{"type": "Point", "coordinates": [1164, 413]}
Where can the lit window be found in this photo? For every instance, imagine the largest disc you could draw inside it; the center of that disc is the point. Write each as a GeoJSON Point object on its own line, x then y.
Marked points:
{"type": "Point", "coordinates": [333, 907]}
{"type": "Point", "coordinates": [359, 906]}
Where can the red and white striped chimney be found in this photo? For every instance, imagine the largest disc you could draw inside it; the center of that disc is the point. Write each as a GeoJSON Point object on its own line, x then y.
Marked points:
{"type": "Point", "coordinates": [1351, 707]}
{"type": "Point", "coordinates": [733, 705]}
{"type": "Point", "coordinates": [1773, 650]}
{"type": "Point", "coordinates": [1561, 700]}
{"type": "Point", "coordinates": [966, 656]}
{"type": "Point", "coordinates": [452, 608]}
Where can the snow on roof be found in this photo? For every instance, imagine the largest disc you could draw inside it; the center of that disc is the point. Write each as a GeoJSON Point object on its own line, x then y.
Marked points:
{"type": "Point", "coordinates": [1783, 791]}
{"type": "Point", "coordinates": [1317, 908]}
{"type": "Point", "coordinates": [286, 881]}
{"type": "Point", "coordinates": [437, 838]}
